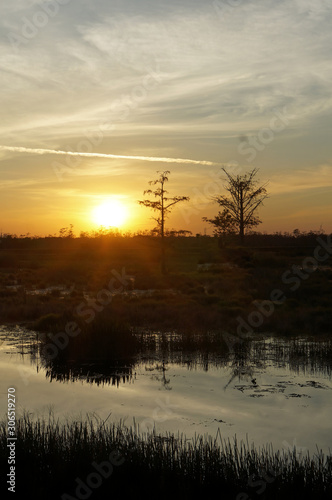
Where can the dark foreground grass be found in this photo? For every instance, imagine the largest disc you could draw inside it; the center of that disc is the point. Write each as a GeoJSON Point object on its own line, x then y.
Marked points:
{"type": "Point", "coordinates": [61, 460]}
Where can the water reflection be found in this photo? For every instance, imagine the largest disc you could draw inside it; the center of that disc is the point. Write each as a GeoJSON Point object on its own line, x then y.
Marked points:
{"type": "Point", "coordinates": [300, 356]}
{"type": "Point", "coordinates": [159, 374]}
{"type": "Point", "coordinates": [275, 390]}
{"type": "Point", "coordinates": [303, 356]}
{"type": "Point", "coordinates": [99, 374]}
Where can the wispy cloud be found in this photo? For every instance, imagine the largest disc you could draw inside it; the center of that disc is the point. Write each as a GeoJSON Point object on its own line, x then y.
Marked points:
{"type": "Point", "coordinates": [220, 74]}
{"type": "Point", "coordinates": [19, 149]}
{"type": "Point", "coordinates": [308, 179]}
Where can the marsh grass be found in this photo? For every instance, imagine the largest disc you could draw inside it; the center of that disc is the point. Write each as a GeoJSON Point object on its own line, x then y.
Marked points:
{"type": "Point", "coordinates": [201, 301]}
{"type": "Point", "coordinates": [52, 454]}
{"type": "Point", "coordinates": [105, 338]}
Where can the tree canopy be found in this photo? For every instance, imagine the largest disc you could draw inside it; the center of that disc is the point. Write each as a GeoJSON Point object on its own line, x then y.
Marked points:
{"type": "Point", "coordinates": [239, 207]}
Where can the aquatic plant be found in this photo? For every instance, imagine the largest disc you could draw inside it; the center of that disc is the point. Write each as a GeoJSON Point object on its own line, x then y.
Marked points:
{"type": "Point", "coordinates": [52, 456]}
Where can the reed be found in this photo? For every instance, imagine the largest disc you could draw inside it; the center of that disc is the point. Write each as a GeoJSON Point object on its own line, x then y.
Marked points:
{"type": "Point", "coordinates": [51, 454]}
{"type": "Point", "coordinates": [105, 338]}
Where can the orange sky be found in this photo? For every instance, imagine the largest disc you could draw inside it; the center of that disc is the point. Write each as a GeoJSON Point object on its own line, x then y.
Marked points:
{"type": "Point", "coordinates": [245, 85]}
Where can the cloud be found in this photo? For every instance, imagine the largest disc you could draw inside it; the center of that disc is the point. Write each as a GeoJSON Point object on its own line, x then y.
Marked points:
{"type": "Point", "coordinates": [301, 180]}
{"type": "Point", "coordinates": [38, 151]}
{"type": "Point", "coordinates": [222, 72]}
{"type": "Point", "coordinates": [216, 70]}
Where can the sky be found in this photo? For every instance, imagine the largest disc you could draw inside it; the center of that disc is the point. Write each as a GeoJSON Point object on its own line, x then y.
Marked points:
{"type": "Point", "coordinates": [239, 84]}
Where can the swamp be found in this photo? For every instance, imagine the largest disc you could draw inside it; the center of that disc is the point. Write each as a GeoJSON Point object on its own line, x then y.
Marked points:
{"type": "Point", "coordinates": [214, 375]}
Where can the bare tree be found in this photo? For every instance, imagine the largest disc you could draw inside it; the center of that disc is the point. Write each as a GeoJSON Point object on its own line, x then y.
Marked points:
{"type": "Point", "coordinates": [239, 209]}
{"type": "Point", "coordinates": [163, 206]}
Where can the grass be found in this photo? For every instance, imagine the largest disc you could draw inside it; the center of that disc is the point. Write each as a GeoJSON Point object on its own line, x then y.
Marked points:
{"type": "Point", "coordinates": [50, 455]}
{"type": "Point", "coordinates": [104, 338]}
{"type": "Point", "coordinates": [202, 301]}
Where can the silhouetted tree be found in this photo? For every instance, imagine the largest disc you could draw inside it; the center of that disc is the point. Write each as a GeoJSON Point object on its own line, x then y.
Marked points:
{"type": "Point", "coordinates": [163, 206]}
{"type": "Point", "coordinates": [239, 209]}
{"type": "Point", "coordinates": [66, 232]}
{"type": "Point", "coordinates": [223, 223]}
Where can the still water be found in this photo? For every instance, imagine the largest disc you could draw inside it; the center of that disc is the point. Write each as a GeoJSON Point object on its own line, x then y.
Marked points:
{"type": "Point", "coordinates": [273, 391]}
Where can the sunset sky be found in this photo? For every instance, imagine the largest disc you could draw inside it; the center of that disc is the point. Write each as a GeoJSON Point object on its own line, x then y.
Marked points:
{"type": "Point", "coordinates": [242, 84]}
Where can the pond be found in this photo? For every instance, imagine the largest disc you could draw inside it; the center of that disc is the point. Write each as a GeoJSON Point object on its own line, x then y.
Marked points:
{"type": "Point", "coordinates": [273, 390]}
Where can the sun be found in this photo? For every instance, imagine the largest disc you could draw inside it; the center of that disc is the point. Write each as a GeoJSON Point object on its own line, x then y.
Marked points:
{"type": "Point", "coordinates": [110, 213]}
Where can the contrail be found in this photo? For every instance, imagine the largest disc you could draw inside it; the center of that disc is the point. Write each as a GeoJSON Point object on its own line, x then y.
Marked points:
{"type": "Point", "coordinates": [18, 149]}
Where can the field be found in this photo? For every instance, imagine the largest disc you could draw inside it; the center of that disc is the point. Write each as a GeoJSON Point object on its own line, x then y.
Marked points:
{"type": "Point", "coordinates": [208, 287]}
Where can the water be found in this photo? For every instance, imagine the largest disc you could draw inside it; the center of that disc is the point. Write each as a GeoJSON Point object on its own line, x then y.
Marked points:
{"type": "Point", "coordinates": [272, 391]}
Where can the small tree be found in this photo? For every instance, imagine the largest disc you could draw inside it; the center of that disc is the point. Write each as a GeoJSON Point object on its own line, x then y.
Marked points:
{"type": "Point", "coordinates": [163, 206]}
{"type": "Point", "coordinates": [239, 209]}
{"type": "Point", "coordinates": [223, 224]}
{"type": "Point", "coordinates": [66, 232]}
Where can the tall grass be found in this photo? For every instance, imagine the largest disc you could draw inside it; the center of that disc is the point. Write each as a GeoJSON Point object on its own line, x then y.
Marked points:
{"type": "Point", "coordinates": [104, 338]}
{"type": "Point", "coordinates": [51, 455]}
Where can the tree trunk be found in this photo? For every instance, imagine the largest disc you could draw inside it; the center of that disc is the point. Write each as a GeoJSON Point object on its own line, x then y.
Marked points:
{"type": "Point", "coordinates": [163, 257]}
{"type": "Point", "coordinates": [162, 231]}
{"type": "Point", "coordinates": [241, 217]}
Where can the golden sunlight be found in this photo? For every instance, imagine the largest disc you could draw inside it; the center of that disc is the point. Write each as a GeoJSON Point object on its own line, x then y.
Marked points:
{"type": "Point", "coordinates": [110, 213]}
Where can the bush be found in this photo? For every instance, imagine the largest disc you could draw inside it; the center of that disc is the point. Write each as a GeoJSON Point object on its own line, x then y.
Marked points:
{"type": "Point", "coordinates": [104, 338]}
{"type": "Point", "coordinates": [48, 322]}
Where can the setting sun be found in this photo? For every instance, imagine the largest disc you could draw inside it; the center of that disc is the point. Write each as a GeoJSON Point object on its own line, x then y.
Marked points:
{"type": "Point", "coordinates": [110, 213]}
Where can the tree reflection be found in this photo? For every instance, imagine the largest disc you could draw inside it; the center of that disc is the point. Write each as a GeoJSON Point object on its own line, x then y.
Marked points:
{"type": "Point", "coordinates": [111, 373]}
{"type": "Point", "coordinates": [162, 369]}
{"type": "Point", "coordinates": [245, 361]}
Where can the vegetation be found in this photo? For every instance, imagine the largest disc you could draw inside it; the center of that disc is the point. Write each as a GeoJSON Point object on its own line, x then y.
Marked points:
{"type": "Point", "coordinates": [239, 210]}
{"type": "Point", "coordinates": [53, 282]}
{"type": "Point", "coordinates": [103, 338]}
{"type": "Point", "coordinates": [162, 205]}
{"type": "Point", "coordinates": [208, 350]}
{"type": "Point", "coordinates": [207, 287]}
{"type": "Point", "coordinates": [66, 453]}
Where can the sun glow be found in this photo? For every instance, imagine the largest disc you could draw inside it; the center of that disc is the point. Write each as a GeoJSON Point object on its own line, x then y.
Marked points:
{"type": "Point", "coordinates": [110, 213]}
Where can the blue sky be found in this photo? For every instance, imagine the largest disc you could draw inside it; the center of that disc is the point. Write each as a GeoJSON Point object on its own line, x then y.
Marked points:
{"type": "Point", "coordinates": [246, 84]}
